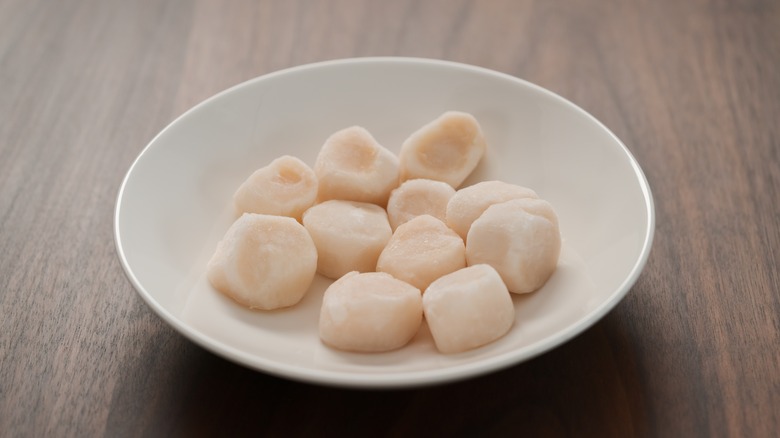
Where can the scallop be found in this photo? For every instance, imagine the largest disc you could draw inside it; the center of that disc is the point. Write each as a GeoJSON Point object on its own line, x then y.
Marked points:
{"type": "Point", "coordinates": [349, 235]}
{"type": "Point", "coordinates": [421, 251]}
{"type": "Point", "coordinates": [470, 202]}
{"type": "Point", "coordinates": [353, 166]}
{"type": "Point", "coordinates": [520, 239]}
{"type": "Point", "coordinates": [285, 187]}
{"type": "Point", "coordinates": [447, 149]}
{"type": "Point", "coordinates": [416, 197]}
{"type": "Point", "coordinates": [369, 312]}
{"type": "Point", "coordinates": [264, 262]}
{"type": "Point", "coordinates": [468, 308]}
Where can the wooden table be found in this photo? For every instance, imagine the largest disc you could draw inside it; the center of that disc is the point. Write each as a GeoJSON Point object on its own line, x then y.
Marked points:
{"type": "Point", "coordinates": [693, 89]}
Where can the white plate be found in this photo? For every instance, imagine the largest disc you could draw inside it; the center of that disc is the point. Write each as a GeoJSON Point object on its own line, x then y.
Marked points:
{"type": "Point", "coordinates": [174, 205]}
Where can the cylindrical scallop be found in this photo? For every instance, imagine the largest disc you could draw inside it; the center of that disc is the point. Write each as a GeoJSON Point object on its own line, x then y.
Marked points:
{"type": "Point", "coordinates": [353, 166]}
{"type": "Point", "coordinates": [470, 202]}
{"type": "Point", "coordinates": [348, 235]}
{"type": "Point", "coordinates": [416, 197]}
{"type": "Point", "coordinates": [421, 251]}
{"type": "Point", "coordinates": [286, 187]}
{"type": "Point", "coordinates": [520, 239]}
{"type": "Point", "coordinates": [264, 262]}
{"type": "Point", "coordinates": [447, 149]}
{"type": "Point", "coordinates": [369, 312]}
{"type": "Point", "coordinates": [468, 308]}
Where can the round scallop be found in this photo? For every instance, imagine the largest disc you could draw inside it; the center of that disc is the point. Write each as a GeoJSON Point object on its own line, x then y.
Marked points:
{"type": "Point", "coordinates": [264, 262]}
{"type": "Point", "coordinates": [349, 235]}
{"type": "Point", "coordinates": [369, 312]}
{"type": "Point", "coordinates": [421, 251]}
{"type": "Point", "coordinates": [447, 149]}
{"type": "Point", "coordinates": [285, 187]}
{"type": "Point", "coordinates": [353, 166]}
{"type": "Point", "coordinates": [416, 197]}
{"type": "Point", "coordinates": [470, 202]}
{"type": "Point", "coordinates": [468, 308]}
{"type": "Point", "coordinates": [520, 239]}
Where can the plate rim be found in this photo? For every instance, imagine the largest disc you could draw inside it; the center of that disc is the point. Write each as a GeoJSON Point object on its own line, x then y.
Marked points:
{"type": "Point", "coordinates": [407, 379]}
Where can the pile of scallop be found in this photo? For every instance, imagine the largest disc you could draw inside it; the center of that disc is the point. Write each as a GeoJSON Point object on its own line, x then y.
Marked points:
{"type": "Point", "coordinates": [400, 241]}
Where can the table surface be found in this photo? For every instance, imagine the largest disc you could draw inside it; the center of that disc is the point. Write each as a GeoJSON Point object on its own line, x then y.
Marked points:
{"type": "Point", "coordinates": [691, 87]}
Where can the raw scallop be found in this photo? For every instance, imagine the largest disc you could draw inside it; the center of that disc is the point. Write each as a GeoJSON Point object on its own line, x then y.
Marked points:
{"type": "Point", "coordinates": [468, 308]}
{"type": "Point", "coordinates": [264, 262]}
{"type": "Point", "coordinates": [421, 251]}
{"type": "Point", "coordinates": [447, 149]}
{"type": "Point", "coordinates": [353, 166]}
{"type": "Point", "coordinates": [348, 235]}
{"type": "Point", "coordinates": [470, 202]}
{"type": "Point", "coordinates": [416, 197]}
{"type": "Point", "coordinates": [520, 239]}
{"type": "Point", "coordinates": [369, 312]}
{"type": "Point", "coordinates": [286, 187]}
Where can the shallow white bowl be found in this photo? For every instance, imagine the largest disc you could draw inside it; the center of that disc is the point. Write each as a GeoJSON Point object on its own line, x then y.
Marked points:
{"type": "Point", "coordinates": [175, 204]}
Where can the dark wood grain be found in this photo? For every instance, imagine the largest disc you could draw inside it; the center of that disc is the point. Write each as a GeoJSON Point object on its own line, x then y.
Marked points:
{"type": "Point", "coordinates": [693, 89]}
